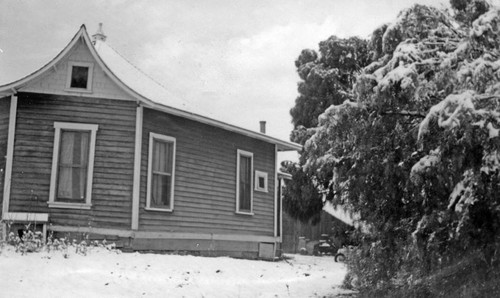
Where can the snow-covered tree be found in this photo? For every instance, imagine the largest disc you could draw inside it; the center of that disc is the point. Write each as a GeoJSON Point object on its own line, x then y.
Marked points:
{"type": "Point", "coordinates": [416, 150]}
{"type": "Point", "coordinates": [327, 79]}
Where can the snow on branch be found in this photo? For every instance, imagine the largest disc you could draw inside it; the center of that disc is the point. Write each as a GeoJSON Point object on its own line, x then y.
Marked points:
{"type": "Point", "coordinates": [491, 162]}
{"type": "Point", "coordinates": [404, 113]}
{"type": "Point", "coordinates": [426, 162]}
{"type": "Point", "coordinates": [487, 22]}
{"type": "Point", "coordinates": [448, 111]}
{"type": "Point", "coordinates": [462, 194]}
{"type": "Point", "coordinates": [402, 73]}
{"type": "Point", "coordinates": [318, 146]}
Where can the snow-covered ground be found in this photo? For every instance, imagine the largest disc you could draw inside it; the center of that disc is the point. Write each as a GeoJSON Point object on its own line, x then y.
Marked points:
{"type": "Point", "coordinates": [112, 274]}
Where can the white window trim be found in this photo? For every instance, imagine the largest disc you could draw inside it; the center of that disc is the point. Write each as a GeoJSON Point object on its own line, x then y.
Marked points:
{"type": "Point", "coordinates": [55, 161]}
{"type": "Point", "coordinates": [247, 154]}
{"type": "Point", "coordinates": [89, 79]}
{"type": "Point", "coordinates": [260, 174]}
{"type": "Point", "coordinates": [152, 137]}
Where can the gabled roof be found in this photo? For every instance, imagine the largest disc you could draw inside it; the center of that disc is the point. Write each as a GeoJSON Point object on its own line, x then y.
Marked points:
{"type": "Point", "coordinates": [141, 87]}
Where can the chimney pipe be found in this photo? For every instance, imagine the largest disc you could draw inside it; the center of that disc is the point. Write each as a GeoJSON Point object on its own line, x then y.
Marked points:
{"type": "Point", "coordinates": [99, 35]}
{"type": "Point", "coordinates": [262, 126]}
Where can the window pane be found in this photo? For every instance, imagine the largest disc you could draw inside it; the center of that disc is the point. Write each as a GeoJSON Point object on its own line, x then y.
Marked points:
{"type": "Point", "coordinates": [79, 77]}
{"type": "Point", "coordinates": [162, 157]}
{"type": "Point", "coordinates": [65, 183]}
{"type": "Point", "coordinates": [245, 182]}
{"type": "Point", "coordinates": [262, 182]}
{"type": "Point", "coordinates": [160, 194]}
{"type": "Point", "coordinates": [162, 170]}
{"type": "Point", "coordinates": [73, 160]}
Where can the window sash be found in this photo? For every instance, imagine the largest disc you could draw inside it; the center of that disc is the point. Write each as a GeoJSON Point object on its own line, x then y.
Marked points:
{"type": "Point", "coordinates": [68, 164]}
{"type": "Point", "coordinates": [161, 190]}
{"type": "Point", "coordinates": [73, 160]}
{"type": "Point", "coordinates": [261, 181]}
{"type": "Point", "coordinates": [162, 157]}
{"type": "Point", "coordinates": [161, 173]}
{"type": "Point", "coordinates": [244, 182]}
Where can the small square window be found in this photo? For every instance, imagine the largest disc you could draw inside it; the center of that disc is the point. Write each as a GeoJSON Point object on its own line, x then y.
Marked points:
{"type": "Point", "coordinates": [261, 181]}
{"type": "Point", "coordinates": [79, 77]}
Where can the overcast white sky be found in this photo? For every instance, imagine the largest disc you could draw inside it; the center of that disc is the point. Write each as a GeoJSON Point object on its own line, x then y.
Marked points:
{"type": "Point", "coordinates": [233, 58]}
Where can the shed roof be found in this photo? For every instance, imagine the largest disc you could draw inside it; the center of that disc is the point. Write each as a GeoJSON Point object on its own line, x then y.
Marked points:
{"type": "Point", "coordinates": [140, 86]}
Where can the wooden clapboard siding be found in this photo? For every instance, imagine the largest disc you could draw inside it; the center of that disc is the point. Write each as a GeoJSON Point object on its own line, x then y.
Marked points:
{"type": "Point", "coordinates": [113, 166]}
{"type": "Point", "coordinates": [205, 179]}
{"type": "Point", "coordinates": [4, 132]}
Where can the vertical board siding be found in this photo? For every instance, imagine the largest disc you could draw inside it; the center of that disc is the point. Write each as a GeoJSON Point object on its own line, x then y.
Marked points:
{"type": "Point", "coordinates": [4, 132]}
{"type": "Point", "coordinates": [205, 179]}
{"type": "Point", "coordinates": [113, 166]}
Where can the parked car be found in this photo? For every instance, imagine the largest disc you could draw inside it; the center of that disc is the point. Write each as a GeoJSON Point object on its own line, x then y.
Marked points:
{"type": "Point", "coordinates": [344, 252]}
{"type": "Point", "coordinates": [325, 246]}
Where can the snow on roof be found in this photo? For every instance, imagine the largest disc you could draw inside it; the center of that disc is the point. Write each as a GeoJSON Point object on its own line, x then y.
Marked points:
{"type": "Point", "coordinates": [138, 81]}
{"type": "Point", "coordinates": [162, 99]}
{"type": "Point", "coordinates": [141, 86]}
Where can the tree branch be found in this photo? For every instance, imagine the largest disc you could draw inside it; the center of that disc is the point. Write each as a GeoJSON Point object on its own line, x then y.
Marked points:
{"type": "Point", "coordinates": [404, 113]}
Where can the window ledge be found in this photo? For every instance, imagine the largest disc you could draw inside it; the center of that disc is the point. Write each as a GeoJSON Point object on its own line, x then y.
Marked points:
{"type": "Point", "coordinates": [245, 213]}
{"type": "Point", "coordinates": [158, 209]}
{"type": "Point", "coordinates": [77, 90]}
{"type": "Point", "coordinates": [69, 205]}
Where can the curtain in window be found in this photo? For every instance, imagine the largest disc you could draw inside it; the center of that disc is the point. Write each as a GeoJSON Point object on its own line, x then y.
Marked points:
{"type": "Point", "coordinates": [73, 161]}
{"type": "Point", "coordinates": [245, 183]}
{"type": "Point", "coordinates": [162, 174]}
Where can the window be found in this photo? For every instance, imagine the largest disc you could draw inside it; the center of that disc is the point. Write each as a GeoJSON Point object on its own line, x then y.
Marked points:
{"type": "Point", "coordinates": [261, 181]}
{"type": "Point", "coordinates": [244, 182]}
{"type": "Point", "coordinates": [161, 173]}
{"type": "Point", "coordinates": [79, 76]}
{"type": "Point", "coordinates": [72, 165]}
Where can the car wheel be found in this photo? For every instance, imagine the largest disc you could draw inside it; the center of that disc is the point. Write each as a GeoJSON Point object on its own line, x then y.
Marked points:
{"type": "Point", "coordinates": [339, 258]}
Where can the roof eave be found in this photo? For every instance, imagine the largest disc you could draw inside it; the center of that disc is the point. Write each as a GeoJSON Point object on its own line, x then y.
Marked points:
{"type": "Point", "coordinates": [282, 145]}
{"type": "Point", "coordinates": [13, 87]}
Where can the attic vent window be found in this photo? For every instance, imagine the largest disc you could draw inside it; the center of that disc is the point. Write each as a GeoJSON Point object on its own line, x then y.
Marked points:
{"type": "Point", "coordinates": [79, 77]}
{"type": "Point", "coordinates": [261, 181]}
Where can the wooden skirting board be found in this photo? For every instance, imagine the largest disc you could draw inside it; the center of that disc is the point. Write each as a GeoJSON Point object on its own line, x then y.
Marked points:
{"type": "Point", "coordinates": [165, 235]}
{"type": "Point", "coordinates": [244, 246]}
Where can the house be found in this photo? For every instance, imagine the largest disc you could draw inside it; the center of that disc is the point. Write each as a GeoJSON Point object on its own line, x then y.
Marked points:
{"type": "Point", "coordinates": [95, 146]}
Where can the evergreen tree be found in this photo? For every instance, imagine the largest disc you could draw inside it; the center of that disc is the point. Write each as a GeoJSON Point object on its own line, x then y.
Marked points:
{"type": "Point", "coordinates": [416, 151]}
{"type": "Point", "coordinates": [327, 79]}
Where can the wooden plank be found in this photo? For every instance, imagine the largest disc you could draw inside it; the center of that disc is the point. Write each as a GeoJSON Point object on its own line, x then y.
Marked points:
{"type": "Point", "coordinates": [204, 217]}
{"type": "Point", "coordinates": [84, 110]}
{"type": "Point", "coordinates": [65, 116]}
{"type": "Point", "coordinates": [26, 217]}
{"type": "Point", "coordinates": [195, 227]}
{"type": "Point", "coordinates": [9, 154]}
{"type": "Point", "coordinates": [205, 177]}
{"type": "Point", "coordinates": [112, 168]}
